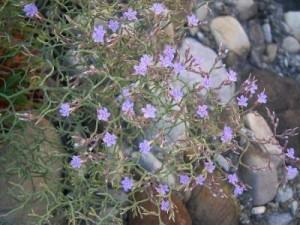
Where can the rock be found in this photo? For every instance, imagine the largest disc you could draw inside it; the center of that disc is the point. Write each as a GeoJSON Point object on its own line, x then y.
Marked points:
{"type": "Point", "coordinates": [271, 52]}
{"type": "Point", "coordinates": [208, 56]}
{"type": "Point", "coordinates": [279, 218]}
{"type": "Point", "coordinates": [294, 207]}
{"type": "Point", "coordinates": [292, 19]}
{"type": "Point", "coordinates": [223, 162]}
{"type": "Point", "coordinates": [246, 8]}
{"type": "Point", "coordinates": [150, 203]}
{"type": "Point", "coordinates": [256, 33]}
{"type": "Point", "coordinates": [209, 208]}
{"type": "Point", "coordinates": [267, 32]}
{"type": "Point", "coordinates": [228, 31]}
{"type": "Point", "coordinates": [28, 165]}
{"type": "Point", "coordinates": [258, 210]}
{"type": "Point", "coordinates": [284, 194]}
{"type": "Point", "coordinates": [202, 12]}
{"type": "Point", "coordinates": [290, 44]}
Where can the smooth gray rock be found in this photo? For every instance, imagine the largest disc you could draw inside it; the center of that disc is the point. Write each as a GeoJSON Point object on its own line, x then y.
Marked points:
{"type": "Point", "coordinates": [246, 8]}
{"type": "Point", "coordinates": [294, 207]}
{"type": "Point", "coordinates": [290, 44]}
{"type": "Point", "coordinates": [267, 32]}
{"type": "Point", "coordinates": [292, 19]}
{"type": "Point", "coordinates": [284, 194]}
{"type": "Point", "coordinates": [279, 219]}
{"type": "Point", "coordinates": [208, 56]}
{"type": "Point", "coordinates": [258, 210]}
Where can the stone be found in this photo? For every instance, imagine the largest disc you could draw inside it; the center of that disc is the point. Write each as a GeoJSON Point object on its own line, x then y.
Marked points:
{"type": "Point", "coordinates": [256, 33]}
{"type": "Point", "coordinates": [34, 151]}
{"type": "Point", "coordinates": [279, 218]}
{"type": "Point", "coordinates": [271, 53]}
{"type": "Point", "coordinates": [284, 194]}
{"type": "Point", "coordinates": [223, 162]}
{"type": "Point", "coordinates": [246, 8]}
{"type": "Point", "coordinates": [228, 31]}
{"type": "Point", "coordinates": [209, 205]}
{"type": "Point", "coordinates": [294, 207]}
{"type": "Point", "coordinates": [292, 19]}
{"type": "Point", "coordinates": [202, 12]}
{"type": "Point", "coordinates": [290, 44]}
{"type": "Point", "coordinates": [208, 56]}
{"type": "Point", "coordinates": [150, 203]}
{"type": "Point", "coordinates": [267, 32]}
{"type": "Point", "coordinates": [258, 210]}
{"type": "Point", "coordinates": [260, 174]}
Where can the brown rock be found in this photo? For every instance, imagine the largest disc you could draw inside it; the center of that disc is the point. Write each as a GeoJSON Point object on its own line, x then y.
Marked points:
{"type": "Point", "coordinates": [149, 204]}
{"type": "Point", "coordinates": [207, 209]}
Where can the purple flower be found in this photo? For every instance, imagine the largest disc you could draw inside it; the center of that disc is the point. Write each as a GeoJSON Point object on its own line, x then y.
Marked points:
{"type": "Point", "coordinates": [146, 60]}
{"type": "Point", "coordinates": [202, 111]}
{"type": "Point", "coordinates": [127, 107]}
{"type": "Point", "coordinates": [231, 76]}
{"type": "Point", "coordinates": [184, 179]}
{"type": "Point", "coordinates": [149, 111]}
{"type": "Point", "coordinates": [165, 61]}
{"type": "Point", "coordinates": [251, 86]}
{"type": "Point", "coordinates": [176, 94]}
{"type": "Point", "coordinates": [109, 139]}
{"type": "Point", "coordinates": [98, 34]}
{"type": "Point", "coordinates": [162, 189]}
{"type": "Point", "coordinates": [145, 147]}
{"type": "Point", "coordinates": [64, 109]}
{"type": "Point", "coordinates": [178, 68]}
{"type": "Point", "coordinates": [262, 98]}
{"type": "Point", "coordinates": [200, 180]}
{"type": "Point", "coordinates": [209, 166]}
{"type": "Point", "coordinates": [291, 172]}
{"type": "Point", "coordinates": [232, 178]}
{"type": "Point", "coordinates": [290, 153]}
{"type": "Point", "coordinates": [158, 8]}
{"type": "Point", "coordinates": [242, 101]}
{"type": "Point", "coordinates": [75, 162]}
{"type": "Point", "coordinates": [127, 184]}
{"type": "Point", "coordinates": [169, 51]}
{"type": "Point", "coordinates": [113, 25]}
{"type": "Point", "coordinates": [238, 190]}
{"type": "Point", "coordinates": [30, 10]}
{"type": "Point", "coordinates": [165, 205]}
{"type": "Point", "coordinates": [227, 134]}
{"type": "Point", "coordinates": [103, 114]}
{"type": "Point", "coordinates": [206, 82]}
{"type": "Point", "coordinates": [140, 69]}
{"type": "Point", "coordinates": [130, 14]}
{"type": "Point", "coordinates": [192, 20]}
{"type": "Point", "coordinates": [125, 92]}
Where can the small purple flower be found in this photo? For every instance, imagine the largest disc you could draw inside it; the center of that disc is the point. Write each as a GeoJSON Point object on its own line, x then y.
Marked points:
{"type": "Point", "coordinates": [165, 205]}
{"type": "Point", "coordinates": [206, 82]}
{"type": "Point", "coordinates": [140, 69]}
{"type": "Point", "coordinates": [251, 86]}
{"type": "Point", "coordinates": [231, 76]}
{"type": "Point", "coordinates": [158, 8]}
{"type": "Point", "coordinates": [145, 147]}
{"type": "Point", "coordinates": [149, 111]}
{"type": "Point", "coordinates": [75, 162]}
{"type": "Point", "coordinates": [290, 153]}
{"type": "Point", "coordinates": [113, 25]}
{"type": "Point", "coordinates": [227, 134]}
{"type": "Point", "coordinates": [184, 179]}
{"type": "Point", "coordinates": [200, 180]}
{"type": "Point", "coordinates": [202, 111]}
{"type": "Point", "coordinates": [233, 179]}
{"type": "Point", "coordinates": [125, 92]}
{"type": "Point", "coordinates": [291, 172]}
{"type": "Point", "coordinates": [130, 14]}
{"type": "Point", "coordinates": [209, 166]}
{"type": "Point", "coordinates": [103, 114]}
{"type": "Point", "coordinates": [262, 98]}
{"type": "Point", "coordinates": [162, 189]}
{"type": "Point", "coordinates": [176, 94]}
{"type": "Point", "coordinates": [127, 107]}
{"type": "Point", "coordinates": [169, 51]}
{"type": "Point", "coordinates": [30, 10]}
{"type": "Point", "coordinates": [192, 20]}
{"type": "Point", "coordinates": [98, 34]}
{"type": "Point", "coordinates": [64, 109]}
{"type": "Point", "coordinates": [146, 60]}
{"type": "Point", "coordinates": [242, 101]}
{"type": "Point", "coordinates": [165, 61]}
{"type": "Point", "coordinates": [178, 68]}
{"type": "Point", "coordinates": [238, 190]}
{"type": "Point", "coordinates": [127, 184]}
{"type": "Point", "coordinates": [109, 139]}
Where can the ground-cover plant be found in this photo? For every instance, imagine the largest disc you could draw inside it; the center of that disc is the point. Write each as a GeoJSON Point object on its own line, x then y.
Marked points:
{"type": "Point", "coordinates": [109, 74]}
